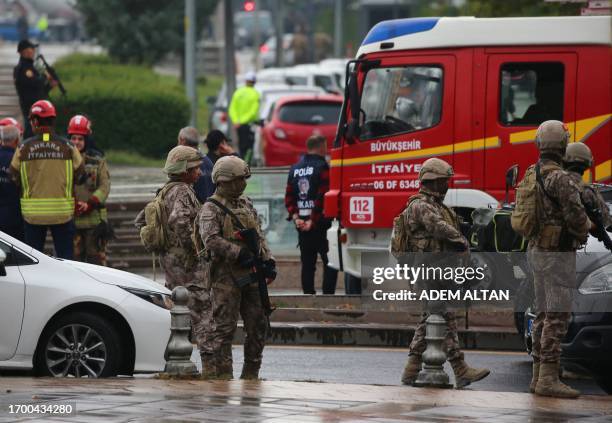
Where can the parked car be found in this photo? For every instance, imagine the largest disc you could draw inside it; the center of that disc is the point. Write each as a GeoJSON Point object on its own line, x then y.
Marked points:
{"type": "Point", "coordinates": [66, 318]}
{"type": "Point", "coordinates": [315, 75]}
{"type": "Point", "coordinates": [292, 120]}
{"type": "Point", "coordinates": [267, 51]}
{"type": "Point", "coordinates": [588, 342]}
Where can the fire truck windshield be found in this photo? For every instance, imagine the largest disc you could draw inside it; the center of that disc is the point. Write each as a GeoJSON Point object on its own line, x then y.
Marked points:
{"type": "Point", "coordinates": [400, 99]}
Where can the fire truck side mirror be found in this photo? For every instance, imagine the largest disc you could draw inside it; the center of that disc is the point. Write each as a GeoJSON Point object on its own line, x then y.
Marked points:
{"type": "Point", "coordinates": [512, 176]}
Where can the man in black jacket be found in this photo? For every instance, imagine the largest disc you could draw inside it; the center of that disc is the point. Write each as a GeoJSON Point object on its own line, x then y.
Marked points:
{"type": "Point", "coordinates": [30, 84]}
{"type": "Point", "coordinates": [307, 183]}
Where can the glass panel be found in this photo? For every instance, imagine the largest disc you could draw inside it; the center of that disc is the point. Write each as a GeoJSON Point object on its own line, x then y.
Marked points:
{"type": "Point", "coordinates": [402, 99]}
{"type": "Point", "coordinates": [531, 93]}
{"type": "Point", "coordinates": [310, 113]}
{"type": "Point", "coordinates": [266, 187]}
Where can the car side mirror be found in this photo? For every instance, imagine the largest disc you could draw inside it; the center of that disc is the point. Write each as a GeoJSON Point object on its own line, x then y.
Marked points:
{"type": "Point", "coordinates": [512, 176]}
{"type": "Point", "coordinates": [211, 100]}
{"type": "Point", "coordinates": [2, 261]}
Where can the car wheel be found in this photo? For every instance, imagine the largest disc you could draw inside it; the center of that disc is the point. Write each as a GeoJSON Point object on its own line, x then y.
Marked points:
{"type": "Point", "coordinates": [79, 344]}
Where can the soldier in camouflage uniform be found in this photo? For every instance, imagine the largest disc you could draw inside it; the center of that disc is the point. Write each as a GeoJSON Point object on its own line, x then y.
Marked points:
{"type": "Point", "coordinates": [427, 225]}
{"type": "Point", "coordinates": [578, 158]}
{"type": "Point", "coordinates": [563, 227]}
{"type": "Point", "coordinates": [228, 264]}
{"type": "Point", "coordinates": [179, 261]}
{"type": "Point", "coordinates": [91, 192]}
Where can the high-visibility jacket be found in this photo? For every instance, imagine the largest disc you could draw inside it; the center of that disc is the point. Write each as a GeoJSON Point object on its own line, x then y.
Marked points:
{"type": "Point", "coordinates": [244, 107]}
{"type": "Point", "coordinates": [47, 165]}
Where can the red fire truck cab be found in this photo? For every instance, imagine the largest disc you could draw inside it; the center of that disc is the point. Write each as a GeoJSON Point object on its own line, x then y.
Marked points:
{"type": "Point", "coordinates": [468, 90]}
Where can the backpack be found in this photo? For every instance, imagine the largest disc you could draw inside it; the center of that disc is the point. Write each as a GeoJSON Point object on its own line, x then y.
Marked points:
{"type": "Point", "coordinates": [400, 233]}
{"type": "Point", "coordinates": [153, 233]}
{"type": "Point", "coordinates": [525, 218]}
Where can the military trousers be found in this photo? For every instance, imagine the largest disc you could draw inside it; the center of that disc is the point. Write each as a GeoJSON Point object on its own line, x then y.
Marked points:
{"type": "Point", "coordinates": [228, 302]}
{"type": "Point", "coordinates": [553, 276]}
{"type": "Point", "coordinates": [87, 248]}
{"type": "Point", "coordinates": [451, 340]}
{"type": "Point", "coordinates": [192, 278]}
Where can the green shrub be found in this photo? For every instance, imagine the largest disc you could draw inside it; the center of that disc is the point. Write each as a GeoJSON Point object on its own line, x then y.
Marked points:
{"type": "Point", "coordinates": [131, 107]}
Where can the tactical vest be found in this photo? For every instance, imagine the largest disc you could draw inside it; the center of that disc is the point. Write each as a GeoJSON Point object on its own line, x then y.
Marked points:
{"type": "Point", "coordinates": [91, 186]}
{"type": "Point", "coordinates": [46, 172]}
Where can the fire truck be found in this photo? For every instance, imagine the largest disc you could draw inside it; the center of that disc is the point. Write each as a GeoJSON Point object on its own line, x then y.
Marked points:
{"type": "Point", "coordinates": [471, 91]}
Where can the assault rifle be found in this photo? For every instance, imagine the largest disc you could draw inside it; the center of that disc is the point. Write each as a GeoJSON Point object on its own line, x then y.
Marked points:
{"type": "Point", "coordinates": [595, 215]}
{"type": "Point", "coordinates": [52, 73]}
{"type": "Point", "coordinates": [260, 269]}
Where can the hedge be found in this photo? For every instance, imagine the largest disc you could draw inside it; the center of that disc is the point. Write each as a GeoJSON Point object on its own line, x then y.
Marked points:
{"type": "Point", "coordinates": [131, 107]}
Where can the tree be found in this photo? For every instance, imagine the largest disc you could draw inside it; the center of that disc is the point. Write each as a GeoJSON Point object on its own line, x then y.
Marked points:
{"type": "Point", "coordinates": [496, 8]}
{"type": "Point", "coordinates": [140, 31]}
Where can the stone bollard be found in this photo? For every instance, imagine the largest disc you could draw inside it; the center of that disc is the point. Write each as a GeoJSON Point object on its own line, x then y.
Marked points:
{"type": "Point", "coordinates": [179, 348]}
{"type": "Point", "coordinates": [433, 374]}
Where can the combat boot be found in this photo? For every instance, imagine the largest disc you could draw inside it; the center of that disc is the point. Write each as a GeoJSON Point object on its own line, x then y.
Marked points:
{"type": "Point", "coordinates": [412, 369]}
{"type": "Point", "coordinates": [209, 369]}
{"type": "Point", "coordinates": [250, 370]}
{"type": "Point", "coordinates": [464, 374]}
{"type": "Point", "coordinates": [535, 376]}
{"type": "Point", "coordinates": [549, 384]}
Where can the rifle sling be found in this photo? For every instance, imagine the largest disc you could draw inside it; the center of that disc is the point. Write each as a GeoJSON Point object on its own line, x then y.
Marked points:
{"type": "Point", "coordinates": [226, 210]}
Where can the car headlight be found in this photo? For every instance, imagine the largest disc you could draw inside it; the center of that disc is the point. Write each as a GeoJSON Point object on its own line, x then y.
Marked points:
{"type": "Point", "coordinates": [159, 299]}
{"type": "Point", "coordinates": [598, 281]}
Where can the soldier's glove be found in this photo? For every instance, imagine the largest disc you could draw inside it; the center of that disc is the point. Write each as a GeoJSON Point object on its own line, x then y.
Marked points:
{"type": "Point", "coordinates": [270, 269]}
{"type": "Point", "coordinates": [246, 259]}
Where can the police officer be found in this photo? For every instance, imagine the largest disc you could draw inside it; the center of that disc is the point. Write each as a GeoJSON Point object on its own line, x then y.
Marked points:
{"type": "Point", "coordinates": [30, 84]}
{"type": "Point", "coordinates": [244, 111]}
{"type": "Point", "coordinates": [563, 227]}
{"type": "Point", "coordinates": [307, 183]}
{"type": "Point", "coordinates": [179, 261]}
{"type": "Point", "coordinates": [46, 167]}
{"type": "Point", "coordinates": [578, 158]}
{"type": "Point", "coordinates": [427, 225]}
{"type": "Point", "coordinates": [91, 220]}
{"type": "Point", "coordinates": [204, 186]}
{"type": "Point", "coordinates": [11, 221]}
{"type": "Point", "coordinates": [228, 264]}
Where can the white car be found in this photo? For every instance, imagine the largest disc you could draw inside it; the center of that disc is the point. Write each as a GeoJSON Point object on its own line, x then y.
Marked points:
{"type": "Point", "coordinates": [65, 318]}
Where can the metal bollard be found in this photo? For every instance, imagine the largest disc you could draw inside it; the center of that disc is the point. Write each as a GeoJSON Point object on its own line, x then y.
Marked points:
{"type": "Point", "coordinates": [433, 374]}
{"type": "Point", "coordinates": [179, 348]}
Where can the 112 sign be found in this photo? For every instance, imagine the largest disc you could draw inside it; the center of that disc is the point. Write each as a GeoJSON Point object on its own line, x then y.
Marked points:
{"type": "Point", "coordinates": [361, 210]}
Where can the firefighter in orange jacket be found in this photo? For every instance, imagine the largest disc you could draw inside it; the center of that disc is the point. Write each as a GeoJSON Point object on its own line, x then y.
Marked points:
{"type": "Point", "coordinates": [46, 165]}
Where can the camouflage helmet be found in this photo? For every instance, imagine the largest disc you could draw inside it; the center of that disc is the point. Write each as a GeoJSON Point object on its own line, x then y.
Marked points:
{"type": "Point", "coordinates": [552, 135]}
{"type": "Point", "coordinates": [435, 168]}
{"type": "Point", "coordinates": [228, 168]}
{"type": "Point", "coordinates": [578, 152]}
{"type": "Point", "coordinates": [182, 158]}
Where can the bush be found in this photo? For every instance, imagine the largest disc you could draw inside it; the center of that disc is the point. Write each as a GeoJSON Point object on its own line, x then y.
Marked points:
{"type": "Point", "coordinates": [131, 107]}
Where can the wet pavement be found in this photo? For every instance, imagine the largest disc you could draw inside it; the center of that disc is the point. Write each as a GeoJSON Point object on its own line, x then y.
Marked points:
{"type": "Point", "coordinates": [151, 400]}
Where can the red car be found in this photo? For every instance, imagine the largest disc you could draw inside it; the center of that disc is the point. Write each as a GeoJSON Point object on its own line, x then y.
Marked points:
{"type": "Point", "coordinates": [292, 120]}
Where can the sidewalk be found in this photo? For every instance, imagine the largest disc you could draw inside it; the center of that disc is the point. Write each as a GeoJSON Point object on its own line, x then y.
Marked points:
{"type": "Point", "coordinates": [144, 399]}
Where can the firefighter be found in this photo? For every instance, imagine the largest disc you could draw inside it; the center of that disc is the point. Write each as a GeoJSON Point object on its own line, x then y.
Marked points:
{"type": "Point", "coordinates": [426, 225]}
{"type": "Point", "coordinates": [307, 183]}
{"type": "Point", "coordinates": [46, 166]}
{"type": "Point", "coordinates": [31, 86]}
{"type": "Point", "coordinates": [91, 221]}
{"type": "Point", "coordinates": [11, 221]}
{"type": "Point", "coordinates": [244, 111]}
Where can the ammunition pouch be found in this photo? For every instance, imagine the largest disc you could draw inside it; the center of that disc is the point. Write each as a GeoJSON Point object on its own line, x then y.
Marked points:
{"type": "Point", "coordinates": [556, 238]}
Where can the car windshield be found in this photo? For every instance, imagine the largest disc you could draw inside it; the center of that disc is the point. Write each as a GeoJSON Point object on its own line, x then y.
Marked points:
{"type": "Point", "coordinates": [310, 113]}
{"type": "Point", "coordinates": [400, 99]}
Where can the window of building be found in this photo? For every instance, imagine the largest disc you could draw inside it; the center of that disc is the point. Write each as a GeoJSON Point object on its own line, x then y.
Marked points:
{"type": "Point", "coordinates": [531, 93]}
